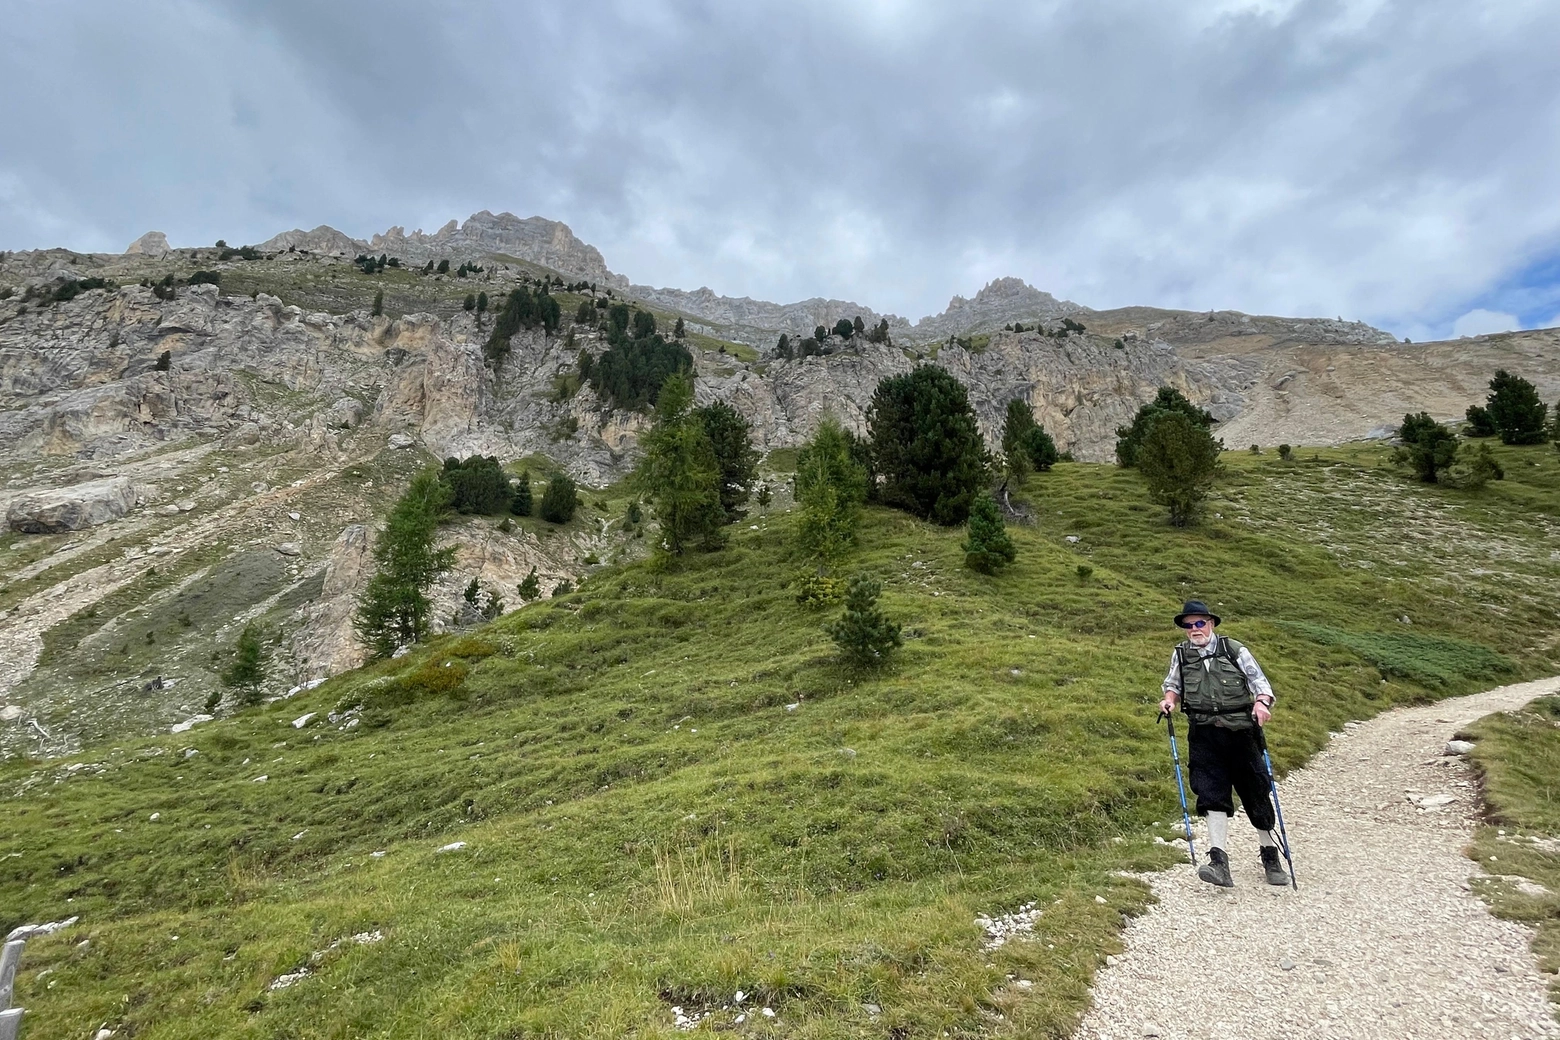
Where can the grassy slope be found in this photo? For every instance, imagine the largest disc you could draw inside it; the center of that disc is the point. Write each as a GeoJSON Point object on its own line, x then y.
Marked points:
{"type": "Point", "coordinates": [649, 823]}
{"type": "Point", "coordinates": [1519, 755]}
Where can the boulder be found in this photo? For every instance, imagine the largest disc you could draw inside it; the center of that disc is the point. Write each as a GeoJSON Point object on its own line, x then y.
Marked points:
{"type": "Point", "coordinates": [71, 508]}
{"type": "Point", "coordinates": [153, 243]}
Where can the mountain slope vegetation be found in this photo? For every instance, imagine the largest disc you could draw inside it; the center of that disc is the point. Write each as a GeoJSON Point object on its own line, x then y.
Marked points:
{"type": "Point", "coordinates": [667, 789]}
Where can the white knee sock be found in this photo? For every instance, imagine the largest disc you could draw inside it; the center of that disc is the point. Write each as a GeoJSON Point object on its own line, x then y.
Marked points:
{"type": "Point", "coordinates": [1218, 830]}
{"type": "Point", "coordinates": [1266, 838]}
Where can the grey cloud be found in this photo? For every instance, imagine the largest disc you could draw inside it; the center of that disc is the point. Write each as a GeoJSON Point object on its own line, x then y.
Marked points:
{"type": "Point", "coordinates": [1389, 161]}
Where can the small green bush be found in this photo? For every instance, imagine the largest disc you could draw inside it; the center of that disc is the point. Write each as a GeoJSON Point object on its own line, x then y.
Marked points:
{"type": "Point", "coordinates": [863, 633]}
{"type": "Point", "coordinates": [987, 548]}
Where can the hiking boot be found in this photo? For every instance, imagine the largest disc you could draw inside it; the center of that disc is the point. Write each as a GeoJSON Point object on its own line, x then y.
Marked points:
{"type": "Point", "coordinates": [1217, 870]}
{"type": "Point", "coordinates": [1276, 875]}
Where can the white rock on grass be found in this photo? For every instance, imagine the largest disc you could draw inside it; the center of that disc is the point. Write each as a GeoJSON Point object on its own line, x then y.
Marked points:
{"type": "Point", "coordinates": [56, 510]}
{"type": "Point", "coordinates": [1458, 747]}
{"type": "Point", "coordinates": [303, 720]}
{"type": "Point", "coordinates": [454, 846]}
{"type": "Point", "coordinates": [189, 723]}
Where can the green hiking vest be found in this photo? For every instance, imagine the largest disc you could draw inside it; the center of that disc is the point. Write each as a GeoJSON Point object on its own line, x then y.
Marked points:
{"type": "Point", "coordinates": [1215, 691]}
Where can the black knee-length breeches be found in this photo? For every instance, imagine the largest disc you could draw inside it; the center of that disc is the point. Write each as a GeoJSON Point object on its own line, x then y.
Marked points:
{"type": "Point", "coordinates": [1225, 759]}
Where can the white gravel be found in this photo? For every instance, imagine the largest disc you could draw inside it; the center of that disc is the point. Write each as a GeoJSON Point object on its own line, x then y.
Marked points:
{"type": "Point", "coordinates": [1384, 938]}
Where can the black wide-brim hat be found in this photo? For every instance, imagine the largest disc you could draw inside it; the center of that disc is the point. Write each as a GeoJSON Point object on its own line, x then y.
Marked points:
{"type": "Point", "coordinates": [1195, 606]}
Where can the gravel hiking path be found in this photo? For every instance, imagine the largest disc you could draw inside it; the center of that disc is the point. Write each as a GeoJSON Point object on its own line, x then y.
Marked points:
{"type": "Point", "coordinates": [1384, 938]}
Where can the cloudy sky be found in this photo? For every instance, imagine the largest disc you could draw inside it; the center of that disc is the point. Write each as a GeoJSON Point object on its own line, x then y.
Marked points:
{"type": "Point", "coordinates": [1393, 162]}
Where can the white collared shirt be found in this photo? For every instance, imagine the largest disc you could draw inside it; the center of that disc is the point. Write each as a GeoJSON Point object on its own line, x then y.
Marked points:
{"type": "Point", "coordinates": [1260, 687]}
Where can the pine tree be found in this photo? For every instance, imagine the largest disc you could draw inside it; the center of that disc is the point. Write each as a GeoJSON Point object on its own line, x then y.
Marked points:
{"type": "Point", "coordinates": [731, 438]}
{"type": "Point", "coordinates": [1479, 422]}
{"type": "Point", "coordinates": [679, 330]}
{"type": "Point", "coordinates": [1016, 424]}
{"type": "Point", "coordinates": [247, 671]}
{"type": "Point", "coordinates": [926, 445]}
{"type": "Point", "coordinates": [845, 328]}
{"type": "Point", "coordinates": [586, 314]}
{"type": "Point", "coordinates": [1179, 459]}
{"type": "Point", "coordinates": [482, 302]}
{"type": "Point", "coordinates": [863, 633]}
{"type": "Point", "coordinates": [1168, 399]}
{"type": "Point", "coordinates": [530, 588]}
{"type": "Point", "coordinates": [444, 267]}
{"type": "Point", "coordinates": [1428, 447]}
{"type": "Point", "coordinates": [858, 326]}
{"type": "Point", "coordinates": [679, 471]}
{"type": "Point", "coordinates": [1473, 466]}
{"type": "Point", "coordinates": [379, 304]}
{"type": "Point", "coordinates": [394, 608]}
{"type": "Point", "coordinates": [1516, 411]}
{"type": "Point", "coordinates": [560, 500]}
{"type": "Point", "coordinates": [988, 548]}
{"type": "Point", "coordinates": [164, 361]}
{"type": "Point", "coordinates": [520, 502]}
{"type": "Point", "coordinates": [830, 487]}
{"type": "Point", "coordinates": [470, 303]}
{"type": "Point", "coordinates": [783, 347]}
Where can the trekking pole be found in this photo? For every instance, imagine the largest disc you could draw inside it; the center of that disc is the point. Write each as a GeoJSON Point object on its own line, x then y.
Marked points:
{"type": "Point", "coordinates": [1180, 785]}
{"type": "Point", "coordinates": [1278, 810]}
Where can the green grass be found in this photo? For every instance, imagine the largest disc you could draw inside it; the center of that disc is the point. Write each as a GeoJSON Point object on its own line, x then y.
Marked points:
{"type": "Point", "coordinates": [1518, 755]}
{"type": "Point", "coordinates": [649, 821]}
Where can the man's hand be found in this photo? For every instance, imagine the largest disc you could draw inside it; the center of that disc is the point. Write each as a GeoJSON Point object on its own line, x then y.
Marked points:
{"type": "Point", "coordinates": [1262, 712]}
{"type": "Point", "coordinates": [1167, 706]}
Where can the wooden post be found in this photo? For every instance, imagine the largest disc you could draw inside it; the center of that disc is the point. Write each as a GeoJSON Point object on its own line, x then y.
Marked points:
{"type": "Point", "coordinates": [10, 1023]}
{"type": "Point", "coordinates": [9, 958]}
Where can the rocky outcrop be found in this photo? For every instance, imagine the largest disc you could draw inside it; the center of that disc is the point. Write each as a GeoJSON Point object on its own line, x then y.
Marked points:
{"type": "Point", "coordinates": [536, 240]}
{"type": "Point", "coordinates": [57, 510]}
{"type": "Point", "coordinates": [323, 239]}
{"type": "Point", "coordinates": [153, 243]}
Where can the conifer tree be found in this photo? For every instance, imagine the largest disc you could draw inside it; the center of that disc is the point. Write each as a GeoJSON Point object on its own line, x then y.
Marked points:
{"type": "Point", "coordinates": [1168, 399]}
{"type": "Point", "coordinates": [394, 608]}
{"type": "Point", "coordinates": [473, 590]}
{"type": "Point", "coordinates": [830, 487]}
{"type": "Point", "coordinates": [482, 302]}
{"type": "Point", "coordinates": [1179, 459]}
{"type": "Point", "coordinates": [1479, 422]}
{"type": "Point", "coordinates": [1515, 410]}
{"type": "Point", "coordinates": [444, 267]}
{"type": "Point", "coordinates": [560, 500]}
{"type": "Point", "coordinates": [863, 633]}
{"type": "Point", "coordinates": [731, 438]}
{"type": "Point", "coordinates": [926, 445]}
{"type": "Point", "coordinates": [679, 330]}
{"type": "Point", "coordinates": [471, 302]}
{"type": "Point", "coordinates": [379, 303]}
{"type": "Point", "coordinates": [987, 548]}
{"type": "Point", "coordinates": [1428, 447]}
{"type": "Point", "coordinates": [247, 671]}
{"type": "Point", "coordinates": [530, 588]}
{"type": "Point", "coordinates": [679, 471]}
{"type": "Point", "coordinates": [520, 502]}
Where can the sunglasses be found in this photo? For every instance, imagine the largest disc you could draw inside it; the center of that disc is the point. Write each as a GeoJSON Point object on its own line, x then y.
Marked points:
{"type": "Point", "coordinates": [1196, 624]}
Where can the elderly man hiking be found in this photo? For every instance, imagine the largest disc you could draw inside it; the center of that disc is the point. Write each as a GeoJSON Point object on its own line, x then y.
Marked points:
{"type": "Point", "coordinates": [1220, 686]}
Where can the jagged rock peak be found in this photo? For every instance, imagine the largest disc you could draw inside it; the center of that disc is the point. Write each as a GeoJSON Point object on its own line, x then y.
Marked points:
{"type": "Point", "coordinates": [153, 243]}
{"type": "Point", "coordinates": [537, 240]}
{"type": "Point", "coordinates": [323, 239]}
{"type": "Point", "coordinates": [1000, 302]}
